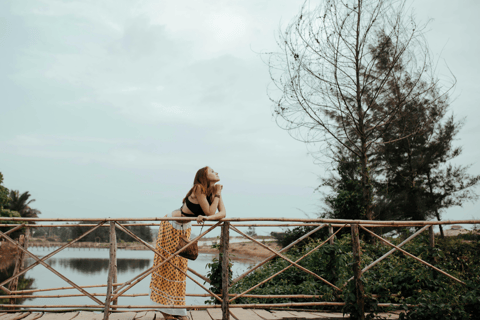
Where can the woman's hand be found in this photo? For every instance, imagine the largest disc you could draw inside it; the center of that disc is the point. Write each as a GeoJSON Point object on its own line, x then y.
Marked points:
{"type": "Point", "coordinates": [218, 189]}
{"type": "Point", "coordinates": [201, 219]}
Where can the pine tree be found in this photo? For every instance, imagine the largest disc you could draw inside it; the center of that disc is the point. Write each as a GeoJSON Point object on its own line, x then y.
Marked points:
{"type": "Point", "coordinates": [417, 180]}
{"type": "Point", "coordinates": [412, 177]}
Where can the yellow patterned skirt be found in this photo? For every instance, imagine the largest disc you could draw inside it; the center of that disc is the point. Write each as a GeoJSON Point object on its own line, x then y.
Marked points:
{"type": "Point", "coordinates": [168, 284]}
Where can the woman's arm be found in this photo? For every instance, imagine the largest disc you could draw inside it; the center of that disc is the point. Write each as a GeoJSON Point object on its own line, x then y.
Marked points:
{"type": "Point", "coordinates": [222, 212]}
{"type": "Point", "coordinates": [208, 209]}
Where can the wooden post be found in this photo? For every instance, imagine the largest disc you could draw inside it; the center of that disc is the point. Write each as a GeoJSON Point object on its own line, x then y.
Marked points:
{"type": "Point", "coordinates": [18, 267]}
{"type": "Point", "coordinates": [431, 236]}
{"type": "Point", "coordinates": [112, 270]}
{"type": "Point", "coordinates": [225, 276]}
{"type": "Point", "coordinates": [330, 232]}
{"type": "Point", "coordinates": [357, 271]}
{"type": "Point", "coordinates": [114, 277]}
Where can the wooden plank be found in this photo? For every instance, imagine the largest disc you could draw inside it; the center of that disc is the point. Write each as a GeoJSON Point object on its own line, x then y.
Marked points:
{"type": "Point", "coordinates": [331, 316]}
{"type": "Point", "coordinates": [148, 315]}
{"type": "Point", "coordinates": [14, 316]}
{"type": "Point", "coordinates": [33, 316]}
{"type": "Point", "coordinates": [21, 316]}
{"type": "Point", "coordinates": [11, 316]}
{"type": "Point", "coordinates": [284, 315]}
{"type": "Point", "coordinates": [59, 316]}
{"type": "Point", "coordinates": [215, 313]}
{"type": "Point", "coordinates": [387, 315]}
{"type": "Point", "coordinates": [244, 314]}
{"type": "Point", "coordinates": [200, 315]}
{"type": "Point", "coordinates": [85, 315]}
{"type": "Point", "coordinates": [305, 315]}
{"type": "Point", "coordinates": [159, 316]}
{"type": "Point", "coordinates": [6, 316]}
{"type": "Point", "coordinates": [264, 314]}
{"type": "Point", "coordinates": [122, 316]}
{"type": "Point", "coordinates": [297, 315]}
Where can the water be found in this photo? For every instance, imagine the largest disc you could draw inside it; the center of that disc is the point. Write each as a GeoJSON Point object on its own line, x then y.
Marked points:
{"type": "Point", "coordinates": [90, 267]}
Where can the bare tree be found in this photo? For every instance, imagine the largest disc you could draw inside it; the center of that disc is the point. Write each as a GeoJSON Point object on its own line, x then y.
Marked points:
{"type": "Point", "coordinates": [333, 94]}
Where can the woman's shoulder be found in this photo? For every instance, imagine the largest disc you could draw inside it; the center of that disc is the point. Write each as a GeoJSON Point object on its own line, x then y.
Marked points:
{"type": "Point", "coordinates": [198, 188]}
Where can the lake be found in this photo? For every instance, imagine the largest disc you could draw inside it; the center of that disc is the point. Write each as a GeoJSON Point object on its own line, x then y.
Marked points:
{"type": "Point", "coordinates": [90, 267]}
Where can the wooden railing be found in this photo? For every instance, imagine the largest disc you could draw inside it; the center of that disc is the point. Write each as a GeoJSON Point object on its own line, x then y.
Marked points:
{"type": "Point", "coordinates": [114, 290]}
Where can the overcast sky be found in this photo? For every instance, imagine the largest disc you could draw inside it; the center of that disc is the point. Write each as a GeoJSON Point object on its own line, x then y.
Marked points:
{"type": "Point", "coordinates": [108, 108]}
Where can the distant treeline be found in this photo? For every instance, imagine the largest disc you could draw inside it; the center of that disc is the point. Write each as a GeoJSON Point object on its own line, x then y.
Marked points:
{"type": "Point", "coordinates": [101, 234]}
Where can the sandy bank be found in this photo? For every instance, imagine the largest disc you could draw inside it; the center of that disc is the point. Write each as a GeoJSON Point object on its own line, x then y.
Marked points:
{"type": "Point", "coordinates": [245, 250]}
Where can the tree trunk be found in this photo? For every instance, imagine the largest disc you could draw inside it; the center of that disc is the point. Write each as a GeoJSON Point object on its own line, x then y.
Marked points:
{"type": "Point", "coordinates": [357, 271]}
{"type": "Point", "coordinates": [437, 214]}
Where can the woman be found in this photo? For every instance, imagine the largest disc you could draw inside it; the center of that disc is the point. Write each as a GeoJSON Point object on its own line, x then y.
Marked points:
{"type": "Point", "coordinates": [202, 201]}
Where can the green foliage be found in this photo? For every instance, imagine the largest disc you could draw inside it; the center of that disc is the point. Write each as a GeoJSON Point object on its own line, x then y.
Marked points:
{"type": "Point", "coordinates": [11, 214]}
{"type": "Point", "coordinates": [346, 201]}
{"type": "Point", "coordinates": [215, 272]}
{"type": "Point", "coordinates": [102, 234]}
{"type": "Point", "coordinates": [23, 284]}
{"type": "Point", "coordinates": [4, 202]}
{"type": "Point", "coordinates": [20, 203]}
{"type": "Point", "coordinates": [7, 211]}
{"type": "Point", "coordinates": [410, 171]}
{"type": "Point", "coordinates": [396, 279]}
{"type": "Point", "coordinates": [291, 235]}
{"type": "Point", "coordinates": [4, 199]}
{"type": "Point", "coordinates": [330, 262]}
{"type": "Point", "coordinates": [3, 193]}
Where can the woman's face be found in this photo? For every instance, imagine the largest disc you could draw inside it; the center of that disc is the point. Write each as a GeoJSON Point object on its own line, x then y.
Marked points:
{"type": "Point", "coordinates": [212, 176]}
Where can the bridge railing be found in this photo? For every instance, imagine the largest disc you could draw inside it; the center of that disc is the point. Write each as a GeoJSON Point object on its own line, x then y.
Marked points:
{"type": "Point", "coordinates": [114, 290]}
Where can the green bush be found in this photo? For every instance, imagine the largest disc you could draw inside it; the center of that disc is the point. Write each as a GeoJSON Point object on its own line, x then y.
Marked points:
{"type": "Point", "coordinates": [215, 272]}
{"type": "Point", "coordinates": [397, 279]}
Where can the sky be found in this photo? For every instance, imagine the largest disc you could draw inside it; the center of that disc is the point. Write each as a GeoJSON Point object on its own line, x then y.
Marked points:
{"type": "Point", "coordinates": [108, 108]}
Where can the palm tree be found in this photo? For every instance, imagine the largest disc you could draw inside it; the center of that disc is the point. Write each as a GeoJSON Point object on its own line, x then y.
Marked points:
{"type": "Point", "coordinates": [20, 203]}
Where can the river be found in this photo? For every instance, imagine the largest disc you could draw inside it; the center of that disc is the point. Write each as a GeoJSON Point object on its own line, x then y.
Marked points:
{"type": "Point", "coordinates": [90, 267]}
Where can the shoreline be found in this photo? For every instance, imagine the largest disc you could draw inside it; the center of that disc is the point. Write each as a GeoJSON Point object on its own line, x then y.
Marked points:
{"type": "Point", "coordinates": [238, 251]}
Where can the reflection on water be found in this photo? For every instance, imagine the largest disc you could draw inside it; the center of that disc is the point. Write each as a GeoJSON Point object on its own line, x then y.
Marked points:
{"type": "Point", "coordinates": [90, 267]}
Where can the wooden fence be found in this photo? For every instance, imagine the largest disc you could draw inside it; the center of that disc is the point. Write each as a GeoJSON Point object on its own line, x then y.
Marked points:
{"type": "Point", "coordinates": [114, 290]}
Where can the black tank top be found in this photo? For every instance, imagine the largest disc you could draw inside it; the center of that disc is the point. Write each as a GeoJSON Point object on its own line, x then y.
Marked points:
{"type": "Point", "coordinates": [195, 208]}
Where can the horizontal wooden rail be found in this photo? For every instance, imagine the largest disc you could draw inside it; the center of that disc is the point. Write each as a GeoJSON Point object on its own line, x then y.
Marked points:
{"type": "Point", "coordinates": [201, 295]}
{"type": "Point", "coordinates": [252, 305]}
{"type": "Point", "coordinates": [29, 296]}
{"type": "Point", "coordinates": [153, 224]}
{"type": "Point", "coordinates": [62, 288]}
{"type": "Point", "coordinates": [327, 221]}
